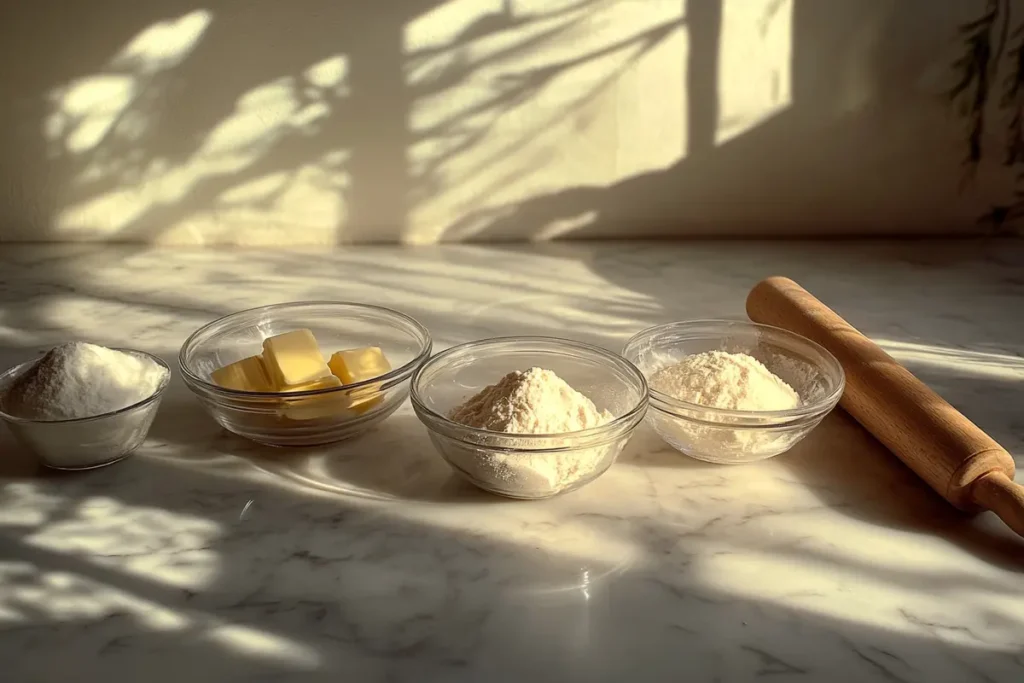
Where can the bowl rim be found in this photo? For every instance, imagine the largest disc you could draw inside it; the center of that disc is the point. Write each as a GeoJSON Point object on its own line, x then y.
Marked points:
{"type": "Point", "coordinates": [741, 418]}
{"type": "Point", "coordinates": [634, 414]}
{"type": "Point", "coordinates": [27, 365]}
{"type": "Point", "coordinates": [387, 378]}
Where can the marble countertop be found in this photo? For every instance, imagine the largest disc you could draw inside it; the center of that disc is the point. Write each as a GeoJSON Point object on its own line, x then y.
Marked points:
{"type": "Point", "coordinates": [206, 558]}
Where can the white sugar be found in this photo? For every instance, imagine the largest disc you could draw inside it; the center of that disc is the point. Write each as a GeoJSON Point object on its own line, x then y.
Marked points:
{"type": "Point", "coordinates": [77, 380]}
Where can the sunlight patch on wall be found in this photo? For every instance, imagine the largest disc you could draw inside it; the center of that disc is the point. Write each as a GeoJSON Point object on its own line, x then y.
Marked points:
{"type": "Point", "coordinates": [258, 119]}
{"type": "Point", "coordinates": [109, 126]}
{"type": "Point", "coordinates": [517, 104]}
{"type": "Point", "coordinates": [754, 64]}
{"type": "Point", "coordinates": [164, 45]}
{"type": "Point", "coordinates": [86, 111]}
{"type": "Point", "coordinates": [303, 204]}
{"type": "Point", "coordinates": [301, 207]}
{"type": "Point", "coordinates": [328, 74]}
{"type": "Point", "coordinates": [565, 227]}
{"type": "Point", "coordinates": [443, 26]}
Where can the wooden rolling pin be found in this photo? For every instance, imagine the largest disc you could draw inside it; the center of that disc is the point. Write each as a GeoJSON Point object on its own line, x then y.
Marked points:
{"type": "Point", "coordinates": [952, 454]}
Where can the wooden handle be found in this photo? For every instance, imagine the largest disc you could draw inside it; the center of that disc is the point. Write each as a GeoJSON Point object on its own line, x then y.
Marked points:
{"type": "Point", "coordinates": [935, 440]}
{"type": "Point", "coordinates": [997, 492]}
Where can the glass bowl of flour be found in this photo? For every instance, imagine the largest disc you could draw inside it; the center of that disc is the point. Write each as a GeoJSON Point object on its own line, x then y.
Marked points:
{"type": "Point", "coordinates": [529, 417]}
{"type": "Point", "coordinates": [732, 392]}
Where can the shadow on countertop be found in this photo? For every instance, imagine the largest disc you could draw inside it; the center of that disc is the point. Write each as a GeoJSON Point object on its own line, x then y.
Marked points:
{"type": "Point", "coordinates": [196, 562]}
{"type": "Point", "coordinates": [218, 558]}
{"type": "Point", "coordinates": [848, 470]}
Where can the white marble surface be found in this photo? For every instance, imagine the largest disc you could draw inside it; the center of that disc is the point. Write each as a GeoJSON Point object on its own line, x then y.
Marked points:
{"type": "Point", "coordinates": [205, 558]}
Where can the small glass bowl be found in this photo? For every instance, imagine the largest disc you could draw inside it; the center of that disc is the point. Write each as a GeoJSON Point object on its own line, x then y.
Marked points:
{"type": "Point", "coordinates": [734, 436]}
{"type": "Point", "coordinates": [305, 418]}
{"type": "Point", "coordinates": [88, 442]}
{"type": "Point", "coordinates": [529, 466]}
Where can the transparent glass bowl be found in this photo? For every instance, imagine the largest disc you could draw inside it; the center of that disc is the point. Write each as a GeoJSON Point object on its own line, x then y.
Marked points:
{"type": "Point", "coordinates": [529, 466]}
{"type": "Point", "coordinates": [305, 418]}
{"type": "Point", "coordinates": [733, 436]}
{"type": "Point", "coordinates": [88, 442]}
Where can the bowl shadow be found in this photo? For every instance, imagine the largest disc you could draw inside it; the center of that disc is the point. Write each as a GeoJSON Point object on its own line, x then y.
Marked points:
{"type": "Point", "coordinates": [647, 449]}
{"type": "Point", "coordinates": [17, 462]}
{"type": "Point", "coordinates": [849, 470]}
{"type": "Point", "coordinates": [392, 461]}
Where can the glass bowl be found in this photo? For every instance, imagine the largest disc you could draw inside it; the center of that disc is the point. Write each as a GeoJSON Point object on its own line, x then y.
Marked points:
{"type": "Point", "coordinates": [734, 436]}
{"type": "Point", "coordinates": [87, 442]}
{"type": "Point", "coordinates": [534, 465]}
{"type": "Point", "coordinates": [305, 418]}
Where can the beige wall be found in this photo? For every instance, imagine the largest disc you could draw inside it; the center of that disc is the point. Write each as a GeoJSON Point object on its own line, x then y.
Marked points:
{"type": "Point", "coordinates": [324, 121]}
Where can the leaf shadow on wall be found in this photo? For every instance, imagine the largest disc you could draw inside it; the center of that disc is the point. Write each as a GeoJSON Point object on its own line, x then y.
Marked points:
{"type": "Point", "coordinates": [167, 137]}
{"type": "Point", "coordinates": [859, 117]}
{"type": "Point", "coordinates": [218, 124]}
{"type": "Point", "coordinates": [260, 122]}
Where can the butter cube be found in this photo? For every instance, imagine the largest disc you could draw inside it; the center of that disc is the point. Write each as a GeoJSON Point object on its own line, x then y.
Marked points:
{"type": "Point", "coordinates": [361, 400]}
{"type": "Point", "coordinates": [322, 383]}
{"type": "Point", "coordinates": [315, 407]}
{"type": "Point", "coordinates": [248, 374]}
{"type": "Point", "coordinates": [357, 365]}
{"type": "Point", "coordinates": [294, 358]}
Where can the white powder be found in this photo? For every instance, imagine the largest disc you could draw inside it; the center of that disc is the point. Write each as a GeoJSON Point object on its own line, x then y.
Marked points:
{"type": "Point", "coordinates": [77, 380]}
{"type": "Point", "coordinates": [535, 401]}
{"type": "Point", "coordinates": [731, 381]}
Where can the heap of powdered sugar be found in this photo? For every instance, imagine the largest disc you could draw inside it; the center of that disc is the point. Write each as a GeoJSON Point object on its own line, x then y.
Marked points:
{"type": "Point", "coordinates": [731, 381]}
{"type": "Point", "coordinates": [77, 380]}
{"type": "Point", "coordinates": [534, 401]}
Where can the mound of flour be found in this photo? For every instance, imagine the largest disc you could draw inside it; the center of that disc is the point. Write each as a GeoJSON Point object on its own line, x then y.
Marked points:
{"type": "Point", "coordinates": [534, 401]}
{"type": "Point", "coordinates": [731, 381]}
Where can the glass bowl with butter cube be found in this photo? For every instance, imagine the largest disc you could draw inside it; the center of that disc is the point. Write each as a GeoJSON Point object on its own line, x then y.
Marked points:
{"type": "Point", "coordinates": [306, 373]}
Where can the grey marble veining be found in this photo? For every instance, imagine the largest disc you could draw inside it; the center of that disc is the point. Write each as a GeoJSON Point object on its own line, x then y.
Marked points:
{"type": "Point", "coordinates": [205, 558]}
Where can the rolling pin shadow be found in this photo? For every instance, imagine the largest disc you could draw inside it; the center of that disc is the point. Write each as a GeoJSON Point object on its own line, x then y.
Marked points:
{"type": "Point", "coordinates": [948, 451]}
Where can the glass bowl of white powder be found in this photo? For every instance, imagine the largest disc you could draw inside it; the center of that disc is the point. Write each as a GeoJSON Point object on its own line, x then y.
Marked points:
{"type": "Point", "coordinates": [83, 406]}
{"type": "Point", "coordinates": [529, 417]}
{"type": "Point", "coordinates": [733, 392]}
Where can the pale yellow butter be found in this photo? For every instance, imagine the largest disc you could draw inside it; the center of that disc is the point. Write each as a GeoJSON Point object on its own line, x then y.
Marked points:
{"type": "Point", "coordinates": [294, 358]}
{"type": "Point", "coordinates": [361, 400]}
{"type": "Point", "coordinates": [315, 407]}
{"type": "Point", "coordinates": [357, 365]}
{"type": "Point", "coordinates": [248, 374]}
{"type": "Point", "coordinates": [322, 383]}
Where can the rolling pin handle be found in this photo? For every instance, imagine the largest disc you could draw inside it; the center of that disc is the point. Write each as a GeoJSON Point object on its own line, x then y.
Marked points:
{"type": "Point", "coordinates": [997, 492]}
{"type": "Point", "coordinates": [948, 451]}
